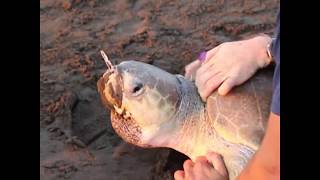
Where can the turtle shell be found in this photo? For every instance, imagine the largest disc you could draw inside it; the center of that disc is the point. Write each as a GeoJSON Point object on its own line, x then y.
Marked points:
{"type": "Point", "coordinates": [241, 116]}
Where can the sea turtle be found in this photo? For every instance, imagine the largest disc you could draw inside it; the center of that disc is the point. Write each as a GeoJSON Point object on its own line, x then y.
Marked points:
{"type": "Point", "coordinates": [153, 108]}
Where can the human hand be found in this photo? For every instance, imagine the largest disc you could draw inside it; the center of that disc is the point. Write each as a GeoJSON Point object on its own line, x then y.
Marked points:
{"type": "Point", "coordinates": [230, 64]}
{"type": "Point", "coordinates": [210, 167]}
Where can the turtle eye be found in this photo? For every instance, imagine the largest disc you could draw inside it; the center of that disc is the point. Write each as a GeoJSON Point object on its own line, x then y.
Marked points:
{"type": "Point", "coordinates": [137, 89]}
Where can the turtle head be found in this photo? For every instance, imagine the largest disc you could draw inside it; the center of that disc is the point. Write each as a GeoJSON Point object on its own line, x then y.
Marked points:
{"type": "Point", "coordinates": [143, 99]}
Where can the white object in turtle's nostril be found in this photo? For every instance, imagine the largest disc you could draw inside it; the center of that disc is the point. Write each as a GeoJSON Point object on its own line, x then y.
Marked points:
{"type": "Point", "coordinates": [106, 60]}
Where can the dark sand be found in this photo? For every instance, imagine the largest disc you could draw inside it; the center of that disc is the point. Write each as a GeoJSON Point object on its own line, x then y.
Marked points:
{"type": "Point", "coordinates": [76, 137]}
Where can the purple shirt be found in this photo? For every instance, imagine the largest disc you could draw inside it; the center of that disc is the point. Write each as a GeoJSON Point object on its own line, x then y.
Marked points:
{"type": "Point", "coordinates": [275, 51]}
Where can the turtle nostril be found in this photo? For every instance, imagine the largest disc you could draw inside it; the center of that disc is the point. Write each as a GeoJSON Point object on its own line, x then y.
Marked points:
{"type": "Point", "coordinates": [113, 94]}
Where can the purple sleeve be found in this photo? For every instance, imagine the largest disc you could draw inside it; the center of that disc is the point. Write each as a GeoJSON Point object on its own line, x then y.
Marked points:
{"type": "Point", "coordinates": [275, 50]}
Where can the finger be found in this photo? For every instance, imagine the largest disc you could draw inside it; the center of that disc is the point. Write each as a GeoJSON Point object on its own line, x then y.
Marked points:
{"type": "Point", "coordinates": [179, 175]}
{"type": "Point", "coordinates": [201, 69]}
{"type": "Point", "coordinates": [210, 54]}
{"type": "Point", "coordinates": [201, 163]}
{"type": "Point", "coordinates": [217, 162]}
{"type": "Point", "coordinates": [187, 165]}
{"type": "Point", "coordinates": [201, 159]}
{"type": "Point", "coordinates": [206, 76]}
{"type": "Point", "coordinates": [210, 86]}
{"type": "Point", "coordinates": [207, 67]}
{"type": "Point", "coordinates": [227, 85]}
{"type": "Point", "coordinates": [199, 76]}
{"type": "Point", "coordinates": [203, 74]}
{"type": "Point", "coordinates": [191, 78]}
{"type": "Point", "coordinates": [192, 68]}
{"type": "Point", "coordinates": [187, 75]}
{"type": "Point", "coordinates": [192, 65]}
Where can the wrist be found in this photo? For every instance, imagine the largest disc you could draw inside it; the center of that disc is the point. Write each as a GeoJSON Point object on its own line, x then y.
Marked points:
{"type": "Point", "coordinates": [263, 43]}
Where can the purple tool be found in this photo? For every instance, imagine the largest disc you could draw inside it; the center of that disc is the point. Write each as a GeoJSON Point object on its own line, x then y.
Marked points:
{"type": "Point", "coordinates": [202, 56]}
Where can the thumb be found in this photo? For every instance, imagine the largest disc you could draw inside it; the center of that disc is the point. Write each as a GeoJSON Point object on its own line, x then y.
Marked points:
{"type": "Point", "coordinates": [217, 163]}
{"type": "Point", "coordinates": [226, 86]}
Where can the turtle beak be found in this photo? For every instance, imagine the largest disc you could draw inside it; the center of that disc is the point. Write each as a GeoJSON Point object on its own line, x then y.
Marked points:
{"type": "Point", "coordinates": [110, 89]}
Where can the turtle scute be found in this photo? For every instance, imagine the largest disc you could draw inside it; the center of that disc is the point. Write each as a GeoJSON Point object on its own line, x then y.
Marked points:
{"type": "Point", "coordinates": [241, 116]}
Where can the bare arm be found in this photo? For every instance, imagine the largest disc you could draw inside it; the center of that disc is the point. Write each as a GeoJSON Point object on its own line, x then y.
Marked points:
{"type": "Point", "coordinates": [266, 162]}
